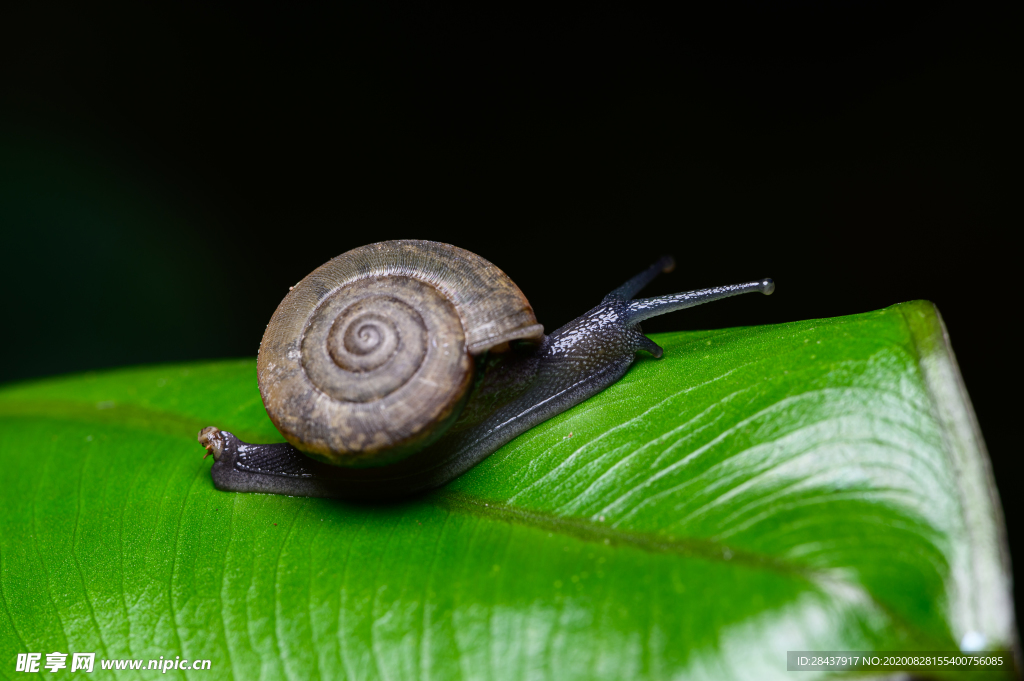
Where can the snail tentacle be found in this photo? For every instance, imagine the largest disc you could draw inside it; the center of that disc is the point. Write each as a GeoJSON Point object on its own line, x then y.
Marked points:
{"type": "Point", "coordinates": [665, 264]}
{"type": "Point", "coordinates": [645, 308]}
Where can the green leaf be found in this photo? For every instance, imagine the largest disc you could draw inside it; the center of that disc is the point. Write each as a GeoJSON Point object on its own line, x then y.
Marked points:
{"type": "Point", "coordinates": [817, 485]}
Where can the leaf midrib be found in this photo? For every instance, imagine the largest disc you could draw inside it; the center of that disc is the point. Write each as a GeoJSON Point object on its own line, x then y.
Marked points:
{"type": "Point", "coordinates": [124, 415]}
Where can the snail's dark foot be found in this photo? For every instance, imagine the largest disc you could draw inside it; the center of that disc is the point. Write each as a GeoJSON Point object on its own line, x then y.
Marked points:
{"type": "Point", "coordinates": [271, 468]}
{"type": "Point", "coordinates": [280, 468]}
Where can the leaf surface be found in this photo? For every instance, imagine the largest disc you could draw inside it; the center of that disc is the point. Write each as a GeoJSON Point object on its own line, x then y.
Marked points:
{"type": "Point", "coordinates": [816, 485]}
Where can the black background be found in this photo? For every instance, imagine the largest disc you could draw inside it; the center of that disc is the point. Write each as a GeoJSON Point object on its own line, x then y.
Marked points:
{"type": "Point", "coordinates": [166, 172]}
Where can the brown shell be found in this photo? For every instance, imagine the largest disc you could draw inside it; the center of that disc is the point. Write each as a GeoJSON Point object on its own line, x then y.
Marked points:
{"type": "Point", "coordinates": [368, 357]}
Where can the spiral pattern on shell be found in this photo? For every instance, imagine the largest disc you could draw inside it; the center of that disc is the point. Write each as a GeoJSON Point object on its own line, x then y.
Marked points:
{"type": "Point", "coordinates": [370, 357]}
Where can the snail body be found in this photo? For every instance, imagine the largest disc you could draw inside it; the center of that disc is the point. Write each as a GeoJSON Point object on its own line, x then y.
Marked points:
{"type": "Point", "coordinates": [397, 366]}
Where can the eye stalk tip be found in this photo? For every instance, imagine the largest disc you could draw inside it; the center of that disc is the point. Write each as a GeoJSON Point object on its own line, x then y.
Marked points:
{"type": "Point", "coordinates": [668, 263]}
{"type": "Point", "coordinates": [767, 286]}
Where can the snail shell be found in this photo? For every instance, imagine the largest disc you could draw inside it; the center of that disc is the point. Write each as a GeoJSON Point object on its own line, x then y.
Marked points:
{"type": "Point", "coordinates": [370, 357]}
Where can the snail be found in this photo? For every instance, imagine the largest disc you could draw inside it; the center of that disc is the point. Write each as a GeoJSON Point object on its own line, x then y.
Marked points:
{"type": "Point", "coordinates": [396, 367]}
